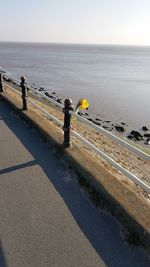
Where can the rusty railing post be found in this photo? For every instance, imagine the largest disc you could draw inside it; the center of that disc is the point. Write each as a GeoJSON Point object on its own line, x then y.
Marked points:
{"type": "Point", "coordinates": [1, 83]}
{"type": "Point", "coordinates": [24, 92]}
{"type": "Point", "coordinates": [67, 122]}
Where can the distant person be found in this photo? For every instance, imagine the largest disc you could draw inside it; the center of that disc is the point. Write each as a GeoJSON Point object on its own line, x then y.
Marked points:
{"type": "Point", "coordinates": [1, 83]}
{"type": "Point", "coordinates": [24, 90]}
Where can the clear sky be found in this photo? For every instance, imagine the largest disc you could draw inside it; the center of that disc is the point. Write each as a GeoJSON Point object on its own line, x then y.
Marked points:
{"type": "Point", "coordinates": [76, 21]}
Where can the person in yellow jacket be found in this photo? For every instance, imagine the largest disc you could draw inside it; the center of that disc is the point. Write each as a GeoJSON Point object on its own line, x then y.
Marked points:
{"type": "Point", "coordinates": [82, 104]}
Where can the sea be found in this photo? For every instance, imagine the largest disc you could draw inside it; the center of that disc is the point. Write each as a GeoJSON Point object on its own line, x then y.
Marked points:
{"type": "Point", "coordinates": [114, 79]}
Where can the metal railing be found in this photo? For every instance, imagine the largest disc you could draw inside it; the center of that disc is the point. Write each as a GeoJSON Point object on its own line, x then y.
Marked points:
{"type": "Point", "coordinates": [99, 129]}
{"type": "Point", "coordinates": [88, 144]}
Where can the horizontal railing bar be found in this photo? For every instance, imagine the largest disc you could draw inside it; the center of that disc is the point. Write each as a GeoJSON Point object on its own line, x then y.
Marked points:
{"type": "Point", "coordinates": [50, 116]}
{"type": "Point", "coordinates": [114, 138]}
{"type": "Point", "coordinates": [114, 163]}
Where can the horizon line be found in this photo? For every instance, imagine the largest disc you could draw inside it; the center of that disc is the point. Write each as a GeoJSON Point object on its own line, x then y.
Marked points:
{"type": "Point", "coordinates": [70, 43]}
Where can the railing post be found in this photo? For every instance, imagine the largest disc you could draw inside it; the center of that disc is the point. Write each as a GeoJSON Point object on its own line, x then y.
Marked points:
{"type": "Point", "coordinates": [1, 83]}
{"type": "Point", "coordinates": [67, 122]}
{"type": "Point", "coordinates": [24, 93]}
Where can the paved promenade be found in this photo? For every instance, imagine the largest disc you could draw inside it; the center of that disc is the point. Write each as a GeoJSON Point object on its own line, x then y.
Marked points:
{"type": "Point", "coordinates": [45, 217]}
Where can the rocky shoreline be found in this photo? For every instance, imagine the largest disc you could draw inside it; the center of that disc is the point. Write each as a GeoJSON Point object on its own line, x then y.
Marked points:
{"type": "Point", "coordinates": [141, 136]}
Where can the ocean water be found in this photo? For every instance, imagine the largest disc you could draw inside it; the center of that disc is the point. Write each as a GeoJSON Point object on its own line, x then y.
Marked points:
{"type": "Point", "coordinates": [114, 79]}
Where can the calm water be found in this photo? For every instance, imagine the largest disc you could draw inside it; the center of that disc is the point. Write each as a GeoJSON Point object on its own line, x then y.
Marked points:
{"type": "Point", "coordinates": [114, 79]}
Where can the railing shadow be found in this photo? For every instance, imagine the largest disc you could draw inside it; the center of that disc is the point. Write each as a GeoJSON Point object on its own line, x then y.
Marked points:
{"type": "Point", "coordinates": [18, 167]}
{"type": "Point", "coordinates": [99, 228]}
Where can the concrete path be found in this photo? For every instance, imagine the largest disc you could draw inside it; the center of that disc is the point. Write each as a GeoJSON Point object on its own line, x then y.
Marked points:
{"type": "Point", "coordinates": [45, 217]}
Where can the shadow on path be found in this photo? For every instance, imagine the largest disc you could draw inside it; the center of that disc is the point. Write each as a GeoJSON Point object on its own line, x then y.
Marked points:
{"type": "Point", "coordinates": [101, 229]}
{"type": "Point", "coordinates": [18, 167]}
{"type": "Point", "coordinates": [2, 257]}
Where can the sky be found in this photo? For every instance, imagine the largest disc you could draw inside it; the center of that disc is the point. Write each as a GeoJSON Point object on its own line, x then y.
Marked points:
{"type": "Point", "coordinates": [76, 21]}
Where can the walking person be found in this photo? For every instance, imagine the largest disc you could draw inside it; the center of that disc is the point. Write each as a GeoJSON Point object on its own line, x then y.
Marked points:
{"type": "Point", "coordinates": [24, 92]}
